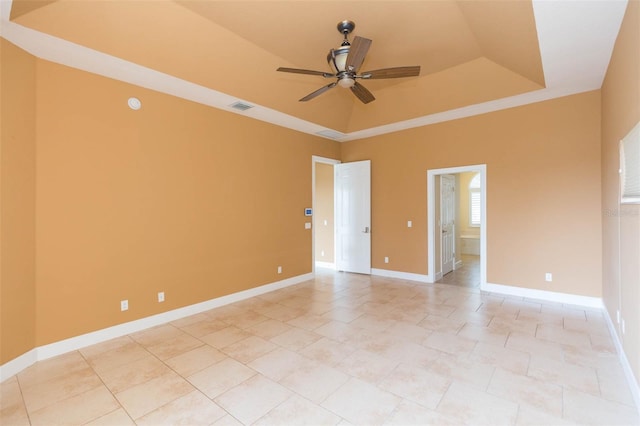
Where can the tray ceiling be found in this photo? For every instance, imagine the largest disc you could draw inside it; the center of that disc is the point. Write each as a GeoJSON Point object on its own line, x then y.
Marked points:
{"type": "Point", "coordinates": [472, 53]}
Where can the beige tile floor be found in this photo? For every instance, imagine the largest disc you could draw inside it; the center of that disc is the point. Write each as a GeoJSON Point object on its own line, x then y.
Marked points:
{"type": "Point", "coordinates": [342, 349]}
{"type": "Point", "coordinates": [466, 275]}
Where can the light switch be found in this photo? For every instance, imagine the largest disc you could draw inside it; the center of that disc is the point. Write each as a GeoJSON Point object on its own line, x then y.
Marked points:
{"type": "Point", "coordinates": [409, 224]}
{"type": "Point", "coordinates": [307, 225]}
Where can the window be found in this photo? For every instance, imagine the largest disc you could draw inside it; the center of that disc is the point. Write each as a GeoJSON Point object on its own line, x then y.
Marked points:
{"type": "Point", "coordinates": [474, 201]}
{"type": "Point", "coordinates": [630, 167]}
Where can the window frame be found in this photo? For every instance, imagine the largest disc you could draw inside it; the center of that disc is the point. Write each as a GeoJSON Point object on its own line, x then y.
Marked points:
{"type": "Point", "coordinates": [630, 167]}
{"type": "Point", "coordinates": [475, 191]}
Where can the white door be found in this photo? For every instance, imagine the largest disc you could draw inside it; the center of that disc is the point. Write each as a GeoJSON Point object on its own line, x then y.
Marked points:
{"type": "Point", "coordinates": [353, 216]}
{"type": "Point", "coordinates": [447, 219]}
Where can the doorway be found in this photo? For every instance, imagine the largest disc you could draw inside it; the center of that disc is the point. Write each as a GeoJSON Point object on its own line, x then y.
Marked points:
{"type": "Point", "coordinates": [323, 213]}
{"type": "Point", "coordinates": [460, 258]}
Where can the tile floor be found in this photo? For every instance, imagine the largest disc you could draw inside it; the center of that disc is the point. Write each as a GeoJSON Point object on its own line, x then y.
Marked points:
{"type": "Point", "coordinates": [342, 349]}
{"type": "Point", "coordinates": [466, 275]}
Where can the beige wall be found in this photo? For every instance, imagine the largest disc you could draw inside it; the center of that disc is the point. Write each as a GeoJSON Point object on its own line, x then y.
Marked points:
{"type": "Point", "coordinates": [539, 159]}
{"type": "Point", "coordinates": [199, 203]}
{"type": "Point", "coordinates": [176, 197]}
{"type": "Point", "coordinates": [621, 223]}
{"type": "Point", "coordinates": [324, 211]}
{"type": "Point", "coordinates": [17, 201]}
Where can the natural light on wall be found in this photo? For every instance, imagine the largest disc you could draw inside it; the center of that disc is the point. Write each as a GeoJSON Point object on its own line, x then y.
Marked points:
{"type": "Point", "coordinates": [630, 167]}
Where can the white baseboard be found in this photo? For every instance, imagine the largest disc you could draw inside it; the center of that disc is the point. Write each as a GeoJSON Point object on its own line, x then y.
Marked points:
{"type": "Point", "coordinates": [551, 296]}
{"type": "Point", "coordinates": [328, 265]}
{"type": "Point", "coordinates": [438, 276]}
{"type": "Point", "coordinates": [634, 387]}
{"type": "Point", "coordinates": [458, 265]}
{"type": "Point", "coordinates": [18, 364]}
{"type": "Point", "coordinates": [401, 275]}
{"type": "Point", "coordinates": [78, 342]}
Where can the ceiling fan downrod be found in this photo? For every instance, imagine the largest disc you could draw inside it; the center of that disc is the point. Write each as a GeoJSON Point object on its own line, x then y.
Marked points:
{"type": "Point", "coordinates": [346, 27]}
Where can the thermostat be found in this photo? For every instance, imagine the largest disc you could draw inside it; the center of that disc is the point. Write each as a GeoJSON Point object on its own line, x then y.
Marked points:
{"type": "Point", "coordinates": [308, 212]}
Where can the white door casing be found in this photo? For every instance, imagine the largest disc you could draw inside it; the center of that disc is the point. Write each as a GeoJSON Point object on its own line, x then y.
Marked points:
{"type": "Point", "coordinates": [433, 233]}
{"type": "Point", "coordinates": [447, 220]}
{"type": "Point", "coordinates": [353, 216]}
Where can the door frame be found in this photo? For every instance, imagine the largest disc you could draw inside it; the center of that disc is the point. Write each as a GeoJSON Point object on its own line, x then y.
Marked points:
{"type": "Point", "coordinates": [431, 216]}
{"type": "Point", "coordinates": [317, 159]}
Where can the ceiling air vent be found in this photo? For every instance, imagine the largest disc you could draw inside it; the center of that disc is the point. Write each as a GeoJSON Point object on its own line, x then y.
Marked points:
{"type": "Point", "coordinates": [331, 134]}
{"type": "Point", "coordinates": [241, 106]}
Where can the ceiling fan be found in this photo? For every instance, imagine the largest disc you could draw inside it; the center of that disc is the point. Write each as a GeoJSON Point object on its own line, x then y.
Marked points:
{"type": "Point", "coordinates": [346, 61]}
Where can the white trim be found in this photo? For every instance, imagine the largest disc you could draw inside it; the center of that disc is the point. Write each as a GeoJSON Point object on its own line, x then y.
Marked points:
{"type": "Point", "coordinates": [438, 276]}
{"type": "Point", "coordinates": [431, 246]}
{"type": "Point", "coordinates": [74, 343]}
{"type": "Point", "coordinates": [18, 364]}
{"type": "Point", "coordinates": [551, 296]}
{"type": "Point", "coordinates": [457, 265]}
{"type": "Point", "coordinates": [401, 275]}
{"type": "Point", "coordinates": [634, 386]}
{"type": "Point", "coordinates": [328, 265]}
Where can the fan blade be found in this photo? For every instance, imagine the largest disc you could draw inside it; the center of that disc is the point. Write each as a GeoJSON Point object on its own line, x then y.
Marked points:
{"type": "Point", "coordinates": [362, 93]}
{"type": "Point", "coordinates": [309, 72]}
{"type": "Point", "coordinates": [357, 52]}
{"type": "Point", "coordinates": [320, 91]}
{"type": "Point", "coordinates": [396, 72]}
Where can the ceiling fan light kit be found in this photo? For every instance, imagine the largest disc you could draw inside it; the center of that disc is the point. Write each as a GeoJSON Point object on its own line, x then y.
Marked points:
{"type": "Point", "coordinates": [345, 62]}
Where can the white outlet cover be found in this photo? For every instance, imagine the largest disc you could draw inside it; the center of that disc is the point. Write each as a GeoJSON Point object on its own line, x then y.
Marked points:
{"type": "Point", "coordinates": [307, 225]}
{"type": "Point", "coordinates": [409, 224]}
{"type": "Point", "coordinates": [124, 305]}
{"type": "Point", "coordinates": [548, 277]}
{"type": "Point", "coordinates": [161, 296]}
{"type": "Point", "coordinates": [279, 269]}
{"type": "Point", "coordinates": [386, 259]}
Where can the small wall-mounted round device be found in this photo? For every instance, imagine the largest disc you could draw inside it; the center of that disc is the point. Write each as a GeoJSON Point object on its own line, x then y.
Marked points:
{"type": "Point", "coordinates": [134, 103]}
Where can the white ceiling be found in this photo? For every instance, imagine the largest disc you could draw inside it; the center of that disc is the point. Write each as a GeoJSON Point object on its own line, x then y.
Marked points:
{"type": "Point", "coordinates": [576, 39]}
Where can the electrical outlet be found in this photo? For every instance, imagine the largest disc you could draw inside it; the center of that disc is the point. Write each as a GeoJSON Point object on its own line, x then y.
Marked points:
{"type": "Point", "coordinates": [548, 277]}
{"type": "Point", "coordinates": [160, 296]}
{"type": "Point", "coordinates": [124, 305]}
{"type": "Point", "coordinates": [386, 259]}
{"type": "Point", "coordinates": [409, 224]}
{"type": "Point", "coordinates": [279, 269]}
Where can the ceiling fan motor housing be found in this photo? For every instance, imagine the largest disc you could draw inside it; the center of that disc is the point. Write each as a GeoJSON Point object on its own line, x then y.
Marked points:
{"type": "Point", "coordinates": [337, 59]}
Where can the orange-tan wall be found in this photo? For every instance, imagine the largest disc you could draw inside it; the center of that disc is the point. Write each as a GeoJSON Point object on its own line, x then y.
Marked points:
{"type": "Point", "coordinates": [621, 223]}
{"type": "Point", "coordinates": [176, 197]}
{"type": "Point", "coordinates": [17, 201]}
{"type": "Point", "coordinates": [543, 170]}
{"type": "Point", "coordinates": [324, 212]}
